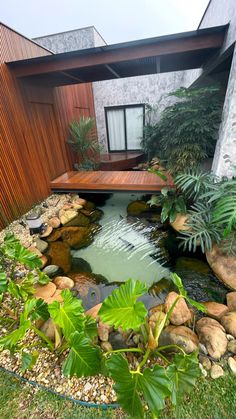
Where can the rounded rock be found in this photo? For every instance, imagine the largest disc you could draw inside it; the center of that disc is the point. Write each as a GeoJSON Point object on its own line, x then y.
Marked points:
{"type": "Point", "coordinates": [46, 232]}
{"type": "Point", "coordinates": [63, 282]}
{"type": "Point", "coordinates": [216, 371]}
{"type": "Point", "coordinates": [232, 364]}
{"type": "Point", "coordinates": [232, 346]}
{"type": "Point", "coordinates": [51, 270]}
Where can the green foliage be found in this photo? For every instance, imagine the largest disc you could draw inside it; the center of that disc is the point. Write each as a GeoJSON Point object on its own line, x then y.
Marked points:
{"type": "Point", "coordinates": [22, 290]}
{"type": "Point", "coordinates": [212, 218]}
{"type": "Point", "coordinates": [121, 309]}
{"type": "Point", "coordinates": [172, 203]}
{"type": "Point", "coordinates": [83, 358]}
{"type": "Point", "coordinates": [28, 360]}
{"type": "Point", "coordinates": [179, 284]}
{"type": "Point", "coordinates": [189, 127]}
{"type": "Point", "coordinates": [69, 315]}
{"type": "Point", "coordinates": [195, 183]}
{"type": "Point", "coordinates": [185, 133]}
{"type": "Point", "coordinates": [83, 141]}
{"type": "Point", "coordinates": [203, 231]}
{"type": "Point", "coordinates": [12, 249]}
{"type": "Point", "coordinates": [182, 374]}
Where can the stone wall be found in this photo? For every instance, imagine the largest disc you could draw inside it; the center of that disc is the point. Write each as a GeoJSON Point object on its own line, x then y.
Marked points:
{"type": "Point", "coordinates": [135, 90]}
{"type": "Point", "coordinates": [72, 40]}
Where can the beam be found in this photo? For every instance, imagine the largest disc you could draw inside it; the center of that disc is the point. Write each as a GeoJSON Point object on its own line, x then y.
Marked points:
{"type": "Point", "coordinates": [109, 55]}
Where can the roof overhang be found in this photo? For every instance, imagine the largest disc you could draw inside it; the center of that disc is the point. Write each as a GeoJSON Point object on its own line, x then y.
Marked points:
{"type": "Point", "coordinates": [162, 54]}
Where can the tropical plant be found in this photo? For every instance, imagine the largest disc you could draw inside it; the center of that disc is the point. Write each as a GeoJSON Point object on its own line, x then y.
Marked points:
{"type": "Point", "coordinates": [148, 383]}
{"type": "Point", "coordinates": [12, 253]}
{"type": "Point", "coordinates": [189, 127]}
{"type": "Point", "coordinates": [172, 202]}
{"type": "Point", "coordinates": [84, 142]}
{"type": "Point", "coordinates": [212, 217]}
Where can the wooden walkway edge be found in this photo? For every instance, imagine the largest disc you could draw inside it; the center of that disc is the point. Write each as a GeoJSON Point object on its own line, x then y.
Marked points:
{"type": "Point", "coordinates": [109, 181]}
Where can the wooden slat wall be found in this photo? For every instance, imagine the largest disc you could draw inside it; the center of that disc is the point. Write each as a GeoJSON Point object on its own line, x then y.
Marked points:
{"type": "Point", "coordinates": [33, 127]}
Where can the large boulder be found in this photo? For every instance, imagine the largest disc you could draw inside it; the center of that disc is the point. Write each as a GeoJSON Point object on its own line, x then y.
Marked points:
{"type": "Point", "coordinates": [66, 215]}
{"type": "Point", "coordinates": [181, 336]}
{"type": "Point", "coordinates": [137, 207]}
{"type": "Point", "coordinates": [59, 253]}
{"type": "Point", "coordinates": [224, 266]}
{"type": "Point", "coordinates": [212, 335]}
{"type": "Point", "coordinates": [86, 288]}
{"type": "Point", "coordinates": [181, 313]}
{"type": "Point", "coordinates": [78, 237]}
{"type": "Point", "coordinates": [180, 223]}
{"type": "Point", "coordinates": [228, 321]}
{"type": "Point", "coordinates": [215, 310]}
{"type": "Point", "coordinates": [80, 220]}
{"type": "Point", "coordinates": [45, 291]}
{"type": "Point", "coordinates": [80, 265]}
{"type": "Point", "coordinates": [231, 301]}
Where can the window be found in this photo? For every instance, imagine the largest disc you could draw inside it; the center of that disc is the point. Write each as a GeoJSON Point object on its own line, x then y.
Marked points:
{"type": "Point", "coordinates": [124, 127]}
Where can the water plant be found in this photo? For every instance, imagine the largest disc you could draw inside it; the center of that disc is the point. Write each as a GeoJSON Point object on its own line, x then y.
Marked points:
{"type": "Point", "coordinates": [172, 201]}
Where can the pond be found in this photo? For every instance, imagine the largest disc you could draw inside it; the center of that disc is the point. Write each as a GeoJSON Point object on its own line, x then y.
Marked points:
{"type": "Point", "coordinates": [132, 243]}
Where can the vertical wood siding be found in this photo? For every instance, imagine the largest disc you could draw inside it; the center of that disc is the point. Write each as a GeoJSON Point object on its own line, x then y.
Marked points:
{"type": "Point", "coordinates": [33, 128]}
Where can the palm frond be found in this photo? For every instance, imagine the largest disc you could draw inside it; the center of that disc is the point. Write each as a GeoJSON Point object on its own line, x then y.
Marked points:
{"type": "Point", "coordinates": [194, 183]}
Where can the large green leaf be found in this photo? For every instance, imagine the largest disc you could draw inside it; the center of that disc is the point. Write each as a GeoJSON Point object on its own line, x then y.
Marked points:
{"type": "Point", "coordinates": [83, 359]}
{"type": "Point", "coordinates": [155, 386]}
{"type": "Point", "coordinates": [126, 385]}
{"type": "Point", "coordinates": [28, 360]}
{"type": "Point", "coordinates": [35, 308]}
{"type": "Point", "coordinates": [69, 315]}
{"type": "Point", "coordinates": [90, 327]}
{"type": "Point", "coordinates": [120, 309]}
{"type": "Point", "coordinates": [3, 281]}
{"type": "Point", "coordinates": [16, 251]}
{"type": "Point", "coordinates": [11, 340]}
{"type": "Point", "coordinates": [22, 289]}
{"type": "Point", "coordinates": [183, 374]}
{"type": "Point", "coordinates": [225, 213]}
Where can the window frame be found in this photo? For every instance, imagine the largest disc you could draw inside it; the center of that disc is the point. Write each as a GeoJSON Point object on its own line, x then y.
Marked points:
{"type": "Point", "coordinates": [123, 107]}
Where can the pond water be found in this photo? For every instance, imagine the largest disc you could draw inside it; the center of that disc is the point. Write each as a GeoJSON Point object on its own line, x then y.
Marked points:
{"type": "Point", "coordinates": [140, 247]}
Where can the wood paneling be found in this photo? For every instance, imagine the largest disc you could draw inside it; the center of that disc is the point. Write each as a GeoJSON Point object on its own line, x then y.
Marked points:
{"type": "Point", "coordinates": [33, 128]}
{"type": "Point", "coordinates": [100, 181]}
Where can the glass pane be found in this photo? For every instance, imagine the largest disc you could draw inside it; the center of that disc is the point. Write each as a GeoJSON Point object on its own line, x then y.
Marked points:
{"type": "Point", "coordinates": [116, 129]}
{"type": "Point", "coordinates": [134, 127]}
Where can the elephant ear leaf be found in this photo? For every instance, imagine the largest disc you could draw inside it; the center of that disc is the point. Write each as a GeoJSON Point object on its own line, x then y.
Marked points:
{"type": "Point", "coordinates": [11, 340]}
{"type": "Point", "coordinates": [84, 359]}
{"type": "Point", "coordinates": [69, 315]}
{"type": "Point", "coordinates": [126, 386]}
{"type": "Point", "coordinates": [3, 281]}
{"type": "Point", "coordinates": [155, 386]}
{"type": "Point", "coordinates": [120, 309]}
{"type": "Point", "coordinates": [28, 360]}
{"type": "Point", "coordinates": [182, 375]}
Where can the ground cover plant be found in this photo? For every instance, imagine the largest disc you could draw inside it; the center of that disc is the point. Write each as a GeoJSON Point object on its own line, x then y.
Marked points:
{"type": "Point", "coordinates": [153, 379]}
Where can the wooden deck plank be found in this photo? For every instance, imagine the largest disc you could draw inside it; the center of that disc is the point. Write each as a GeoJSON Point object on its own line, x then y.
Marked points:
{"type": "Point", "coordinates": [107, 181]}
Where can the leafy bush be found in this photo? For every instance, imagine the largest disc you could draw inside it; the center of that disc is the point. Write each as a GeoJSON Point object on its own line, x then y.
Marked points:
{"type": "Point", "coordinates": [186, 132]}
{"type": "Point", "coordinates": [212, 218]}
{"type": "Point", "coordinates": [172, 201]}
{"type": "Point", "coordinates": [148, 383]}
{"type": "Point", "coordinates": [84, 142]}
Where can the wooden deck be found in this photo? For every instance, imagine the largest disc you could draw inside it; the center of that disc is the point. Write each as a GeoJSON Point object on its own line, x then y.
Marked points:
{"type": "Point", "coordinates": [104, 181]}
{"type": "Point", "coordinates": [120, 161]}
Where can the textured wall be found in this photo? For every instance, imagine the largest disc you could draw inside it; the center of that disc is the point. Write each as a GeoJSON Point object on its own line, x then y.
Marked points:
{"type": "Point", "coordinates": [133, 90]}
{"type": "Point", "coordinates": [225, 153]}
{"type": "Point", "coordinates": [72, 40]}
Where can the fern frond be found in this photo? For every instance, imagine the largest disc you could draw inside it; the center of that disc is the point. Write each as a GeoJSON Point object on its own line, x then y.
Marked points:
{"type": "Point", "coordinates": [194, 183]}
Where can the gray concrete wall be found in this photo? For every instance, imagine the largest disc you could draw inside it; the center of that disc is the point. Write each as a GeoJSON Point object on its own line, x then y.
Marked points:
{"type": "Point", "coordinates": [134, 90]}
{"type": "Point", "coordinates": [72, 40]}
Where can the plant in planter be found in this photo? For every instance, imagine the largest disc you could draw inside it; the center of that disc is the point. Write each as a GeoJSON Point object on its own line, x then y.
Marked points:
{"type": "Point", "coordinates": [84, 142]}
{"type": "Point", "coordinates": [146, 383]}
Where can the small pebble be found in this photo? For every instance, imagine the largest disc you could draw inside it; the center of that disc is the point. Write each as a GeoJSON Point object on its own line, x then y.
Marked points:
{"type": "Point", "coordinates": [216, 371]}
{"type": "Point", "coordinates": [232, 364]}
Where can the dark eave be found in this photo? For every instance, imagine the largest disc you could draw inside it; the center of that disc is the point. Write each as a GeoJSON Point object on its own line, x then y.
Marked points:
{"type": "Point", "coordinates": [147, 56]}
